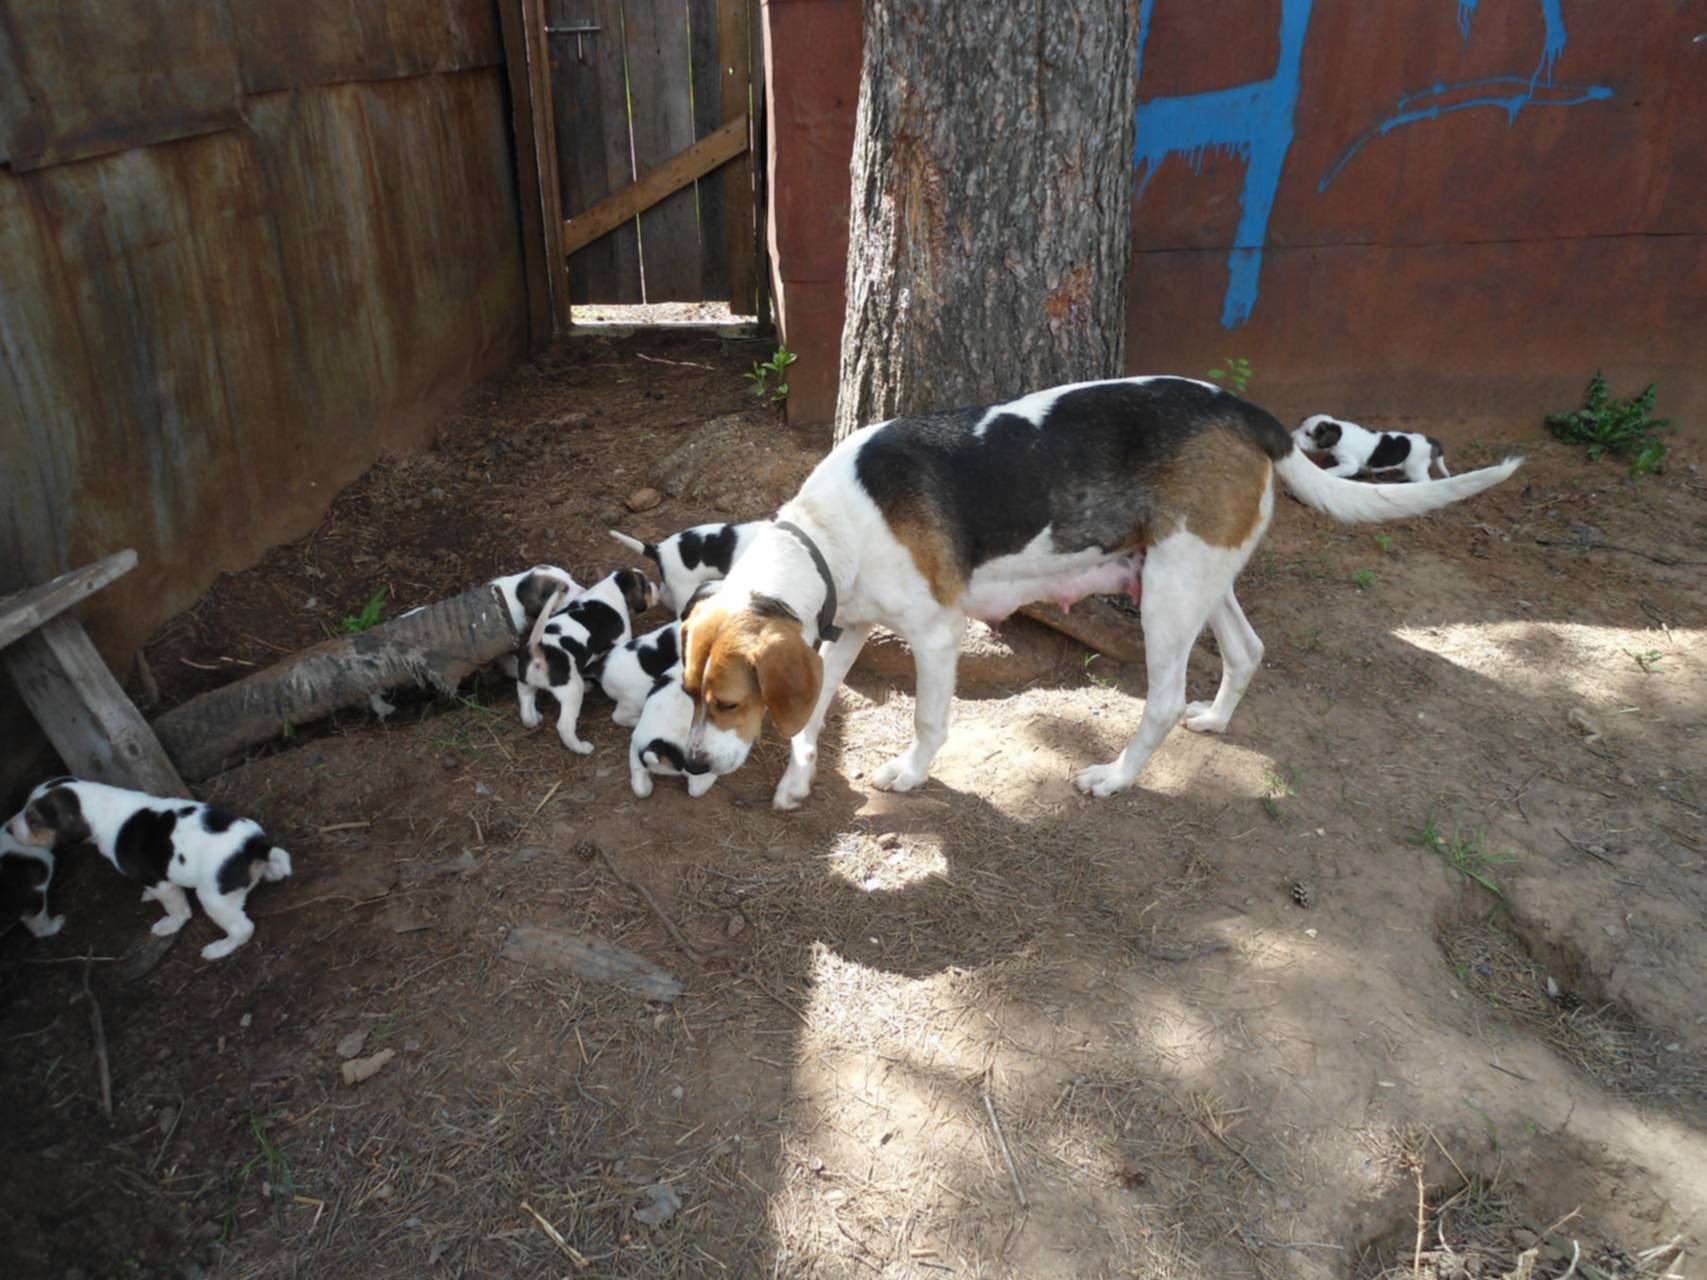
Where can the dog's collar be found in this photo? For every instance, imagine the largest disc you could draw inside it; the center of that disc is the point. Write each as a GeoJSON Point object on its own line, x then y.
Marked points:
{"type": "Point", "coordinates": [827, 628]}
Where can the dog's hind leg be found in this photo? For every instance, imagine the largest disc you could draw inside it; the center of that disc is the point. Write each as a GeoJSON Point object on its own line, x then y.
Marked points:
{"type": "Point", "coordinates": [796, 781]}
{"type": "Point", "coordinates": [1241, 656]}
{"type": "Point", "coordinates": [226, 911]}
{"type": "Point", "coordinates": [569, 702]}
{"type": "Point", "coordinates": [936, 653]}
{"type": "Point", "coordinates": [1184, 580]}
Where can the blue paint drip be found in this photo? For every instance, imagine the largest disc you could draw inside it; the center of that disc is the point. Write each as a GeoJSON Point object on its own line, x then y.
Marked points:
{"type": "Point", "coordinates": [1537, 90]}
{"type": "Point", "coordinates": [1511, 103]}
{"type": "Point", "coordinates": [1253, 121]}
{"type": "Point", "coordinates": [1466, 11]}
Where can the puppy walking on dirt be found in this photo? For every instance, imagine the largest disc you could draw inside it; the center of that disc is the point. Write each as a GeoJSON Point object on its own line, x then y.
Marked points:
{"type": "Point", "coordinates": [1158, 486]}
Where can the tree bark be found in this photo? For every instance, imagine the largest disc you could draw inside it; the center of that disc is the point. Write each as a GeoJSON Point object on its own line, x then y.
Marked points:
{"type": "Point", "coordinates": [437, 645]}
{"type": "Point", "coordinates": [991, 220]}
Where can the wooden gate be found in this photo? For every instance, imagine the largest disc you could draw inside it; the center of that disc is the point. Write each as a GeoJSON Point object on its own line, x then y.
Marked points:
{"type": "Point", "coordinates": [653, 106]}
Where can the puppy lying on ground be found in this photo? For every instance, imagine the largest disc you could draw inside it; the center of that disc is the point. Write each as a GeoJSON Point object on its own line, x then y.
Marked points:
{"type": "Point", "coordinates": [168, 845]}
{"type": "Point", "coordinates": [25, 874]}
{"type": "Point", "coordinates": [703, 553]}
{"type": "Point", "coordinates": [569, 644]}
{"type": "Point", "coordinates": [1360, 451]}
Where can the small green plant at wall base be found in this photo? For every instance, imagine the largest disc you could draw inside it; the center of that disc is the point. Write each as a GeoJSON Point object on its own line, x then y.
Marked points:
{"type": "Point", "coordinates": [1384, 542]}
{"type": "Point", "coordinates": [368, 618]}
{"type": "Point", "coordinates": [1275, 789]}
{"type": "Point", "coordinates": [1622, 428]}
{"type": "Point", "coordinates": [1647, 661]}
{"type": "Point", "coordinates": [1363, 579]}
{"type": "Point", "coordinates": [1234, 376]}
{"type": "Point", "coordinates": [770, 377]}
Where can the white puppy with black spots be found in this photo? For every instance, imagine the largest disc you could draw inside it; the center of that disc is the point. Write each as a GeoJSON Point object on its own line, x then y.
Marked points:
{"type": "Point", "coordinates": [167, 845]}
{"type": "Point", "coordinates": [644, 679]}
{"type": "Point", "coordinates": [685, 560]}
{"type": "Point", "coordinates": [569, 644]}
{"type": "Point", "coordinates": [1359, 451]}
{"type": "Point", "coordinates": [25, 874]}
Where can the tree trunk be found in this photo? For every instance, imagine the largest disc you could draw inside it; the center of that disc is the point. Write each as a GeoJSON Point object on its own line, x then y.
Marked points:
{"type": "Point", "coordinates": [992, 202]}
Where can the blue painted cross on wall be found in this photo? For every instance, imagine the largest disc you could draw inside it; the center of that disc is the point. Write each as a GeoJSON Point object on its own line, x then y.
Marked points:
{"type": "Point", "coordinates": [1255, 122]}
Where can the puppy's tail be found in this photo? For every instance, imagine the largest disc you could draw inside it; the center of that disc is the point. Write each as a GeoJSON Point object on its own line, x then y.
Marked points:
{"type": "Point", "coordinates": [1354, 503]}
{"type": "Point", "coordinates": [647, 549]}
{"type": "Point", "coordinates": [557, 598]}
{"type": "Point", "coordinates": [277, 864]}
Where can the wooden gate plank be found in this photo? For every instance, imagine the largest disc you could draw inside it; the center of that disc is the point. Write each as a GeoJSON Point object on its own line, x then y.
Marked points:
{"type": "Point", "coordinates": [545, 146]}
{"type": "Point", "coordinates": [708, 113]}
{"type": "Point", "coordinates": [740, 240]}
{"type": "Point", "coordinates": [659, 95]}
{"type": "Point", "coordinates": [535, 272]}
{"type": "Point", "coordinates": [92, 725]}
{"type": "Point", "coordinates": [591, 97]}
{"type": "Point", "coordinates": [675, 173]}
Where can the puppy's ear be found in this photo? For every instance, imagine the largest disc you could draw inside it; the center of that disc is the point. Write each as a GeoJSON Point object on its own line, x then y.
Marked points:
{"type": "Point", "coordinates": [1328, 435]}
{"type": "Point", "coordinates": [790, 676]}
{"type": "Point", "coordinates": [699, 635]}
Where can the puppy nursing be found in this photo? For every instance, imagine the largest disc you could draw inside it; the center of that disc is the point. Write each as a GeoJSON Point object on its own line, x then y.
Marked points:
{"type": "Point", "coordinates": [168, 845]}
{"type": "Point", "coordinates": [1161, 484]}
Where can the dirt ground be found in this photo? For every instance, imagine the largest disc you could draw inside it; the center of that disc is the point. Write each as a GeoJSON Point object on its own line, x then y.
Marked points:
{"type": "Point", "coordinates": [1245, 1020]}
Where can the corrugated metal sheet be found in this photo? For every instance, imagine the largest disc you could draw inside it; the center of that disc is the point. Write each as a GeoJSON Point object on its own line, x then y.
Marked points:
{"type": "Point", "coordinates": [199, 343]}
{"type": "Point", "coordinates": [287, 44]}
{"type": "Point", "coordinates": [100, 76]}
{"type": "Point", "coordinates": [1455, 208]}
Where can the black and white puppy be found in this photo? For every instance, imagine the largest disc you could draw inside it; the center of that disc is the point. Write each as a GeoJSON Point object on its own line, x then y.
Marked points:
{"type": "Point", "coordinates": [703, 553]}
{"type": "Point", "coordinates": [662, 734]}
{"type": "Point", "coordinates": [526, 593]}
{"type": "Point", "coordinates": [168, 845]}
{"type": "Point", "coordinates": [25, 874]}
{"type": "Point", "coordinates": [1360, 451]}
{"type": "Point", "coordinates": [635, 666]}
{"type": "Point", "coordinates": [569, 644]}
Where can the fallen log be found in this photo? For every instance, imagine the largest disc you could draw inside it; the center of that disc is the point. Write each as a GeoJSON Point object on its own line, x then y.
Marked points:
{"type": "Point", "coordinates": [1096, 624]}
{"type": "Point", "coordinates": [437, 646]}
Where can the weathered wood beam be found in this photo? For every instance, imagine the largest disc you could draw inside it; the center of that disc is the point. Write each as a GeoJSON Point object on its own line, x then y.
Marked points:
{"type": "Point", "coordinates": [22, 613]}
{"type": "Point", "coordinates": [716, 148]}
{"type": "Point", "coordinates": [92, 725]}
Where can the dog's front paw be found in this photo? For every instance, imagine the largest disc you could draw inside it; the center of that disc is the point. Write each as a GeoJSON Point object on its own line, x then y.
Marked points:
{"type": "Point", "coordinates": [898, 774]}
{"type": "Point", "coordinates": [166, 926]}
{"type": "Point", "coordinates": [791, 792]}
{"type": "Point", "coordinates": [641, 781]}
{"type": "Point", "coordinates": [576, 745]}
{"type": "Point", "coordinates": [700, 783]}
{"type": "Point", "coordinates": [530, 715]}
{"type": "Point", "coordinates": [1102, 780]}
{"type": "Point", "coordinates": [219, 950]}
{"type": "Point", "coordinates": [626, 717]}
{"type": "Point", "coordinates": [1199, 717]}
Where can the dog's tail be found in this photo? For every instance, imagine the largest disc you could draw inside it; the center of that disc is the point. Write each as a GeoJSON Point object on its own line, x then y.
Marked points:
{"type": "Point", "coordinates": [1352, 502]}
{"type": "Point", "coordinates": [538, 632]}
{"type": "Point", "coordinates": [647, 549]}
{"type": "Point", "coordinates": [277, 864]}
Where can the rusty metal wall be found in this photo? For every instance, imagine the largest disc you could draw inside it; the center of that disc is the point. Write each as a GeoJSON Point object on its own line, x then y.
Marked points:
{"type": "Point", "coordinates": [244, 249]}
{"type": "Point", "coordinates": [1460, 208]}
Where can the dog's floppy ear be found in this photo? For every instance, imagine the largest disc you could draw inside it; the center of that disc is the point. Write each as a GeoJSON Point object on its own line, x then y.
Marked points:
{"type": "Point", "coordinates": [1328, 435]}
{"type": "Point", "coordinates": [790, 675]}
